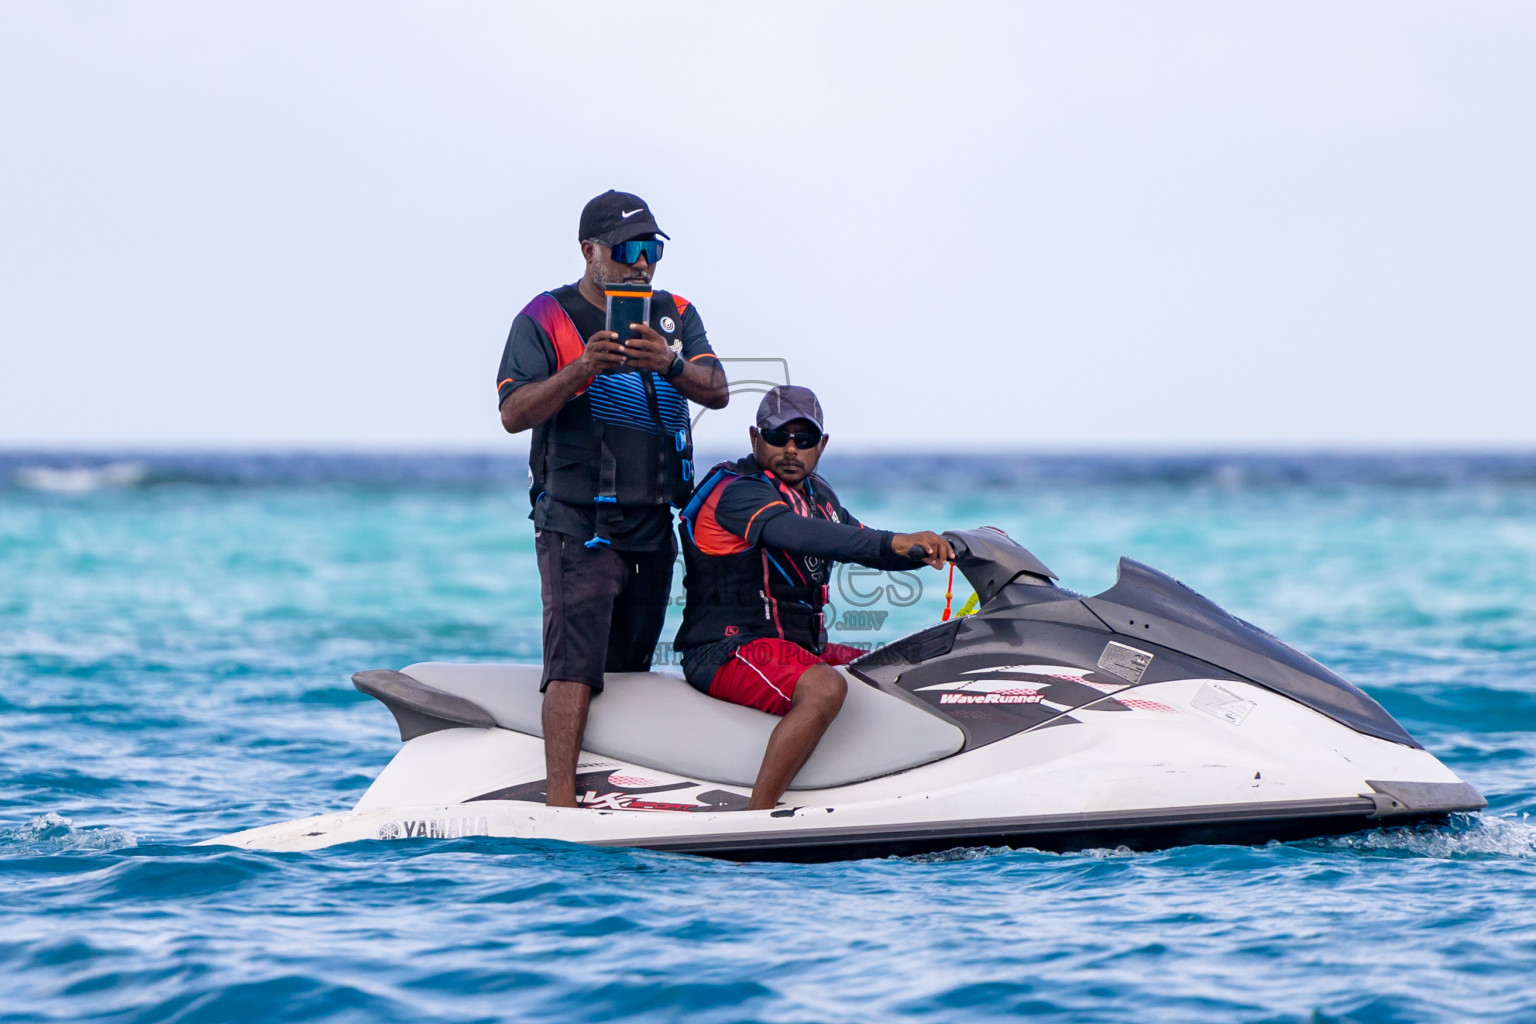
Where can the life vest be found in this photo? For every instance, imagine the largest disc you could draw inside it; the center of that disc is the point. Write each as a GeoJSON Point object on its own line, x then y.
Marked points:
{"type": "Point", "coordinates": [740, 589]}
{"type": "Point", "coordinates": [623, 438]}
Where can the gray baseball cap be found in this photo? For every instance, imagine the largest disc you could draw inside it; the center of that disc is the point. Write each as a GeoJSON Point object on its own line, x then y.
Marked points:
{"type": "Point", "coordinates": [786, 403]}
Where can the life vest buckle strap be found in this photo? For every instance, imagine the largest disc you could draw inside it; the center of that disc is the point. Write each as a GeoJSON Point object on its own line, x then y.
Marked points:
{"type": "Point", "coordinates": [607, 497]}
{"type": "Point", "coordinates": [710, 482]}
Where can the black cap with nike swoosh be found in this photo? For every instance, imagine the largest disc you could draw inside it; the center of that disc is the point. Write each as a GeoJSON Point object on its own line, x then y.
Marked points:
{"type": "Point", "coordinates": [615, 217]}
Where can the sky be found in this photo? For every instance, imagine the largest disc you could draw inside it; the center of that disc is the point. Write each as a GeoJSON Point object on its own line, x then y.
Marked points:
{"type": "Point", "coordinates": [1041, 226]}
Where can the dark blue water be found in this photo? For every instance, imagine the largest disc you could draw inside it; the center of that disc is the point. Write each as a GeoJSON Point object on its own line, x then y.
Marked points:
{"type": "Point", "coordinates": [176, 635]}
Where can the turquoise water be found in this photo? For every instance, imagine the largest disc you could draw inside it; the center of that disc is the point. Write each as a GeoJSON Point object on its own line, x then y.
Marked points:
{"type": "Point", "coordinates": [174, 651]}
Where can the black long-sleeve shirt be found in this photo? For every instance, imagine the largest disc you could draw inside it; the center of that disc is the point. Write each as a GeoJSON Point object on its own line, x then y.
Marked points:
{"type": "Point", "coordinates": [839, 542]}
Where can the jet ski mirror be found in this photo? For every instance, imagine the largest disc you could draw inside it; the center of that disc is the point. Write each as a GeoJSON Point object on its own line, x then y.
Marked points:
{"type": "Point", "coordinates": [990, 560]}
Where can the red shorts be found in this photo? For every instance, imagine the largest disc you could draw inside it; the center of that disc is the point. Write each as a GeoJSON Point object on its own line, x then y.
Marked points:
{"type": "Point", "coordinates": [763, 673]}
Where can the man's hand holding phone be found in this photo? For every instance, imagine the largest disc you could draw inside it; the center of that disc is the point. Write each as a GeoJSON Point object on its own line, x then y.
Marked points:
{"type": "Point", "coordinates": [603, 354]}
{"type": "Point", "coordinates": [647, 350]}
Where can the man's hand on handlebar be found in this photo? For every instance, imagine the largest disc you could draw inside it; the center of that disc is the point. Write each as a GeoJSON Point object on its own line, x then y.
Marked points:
{"type": "Point", "coordinates": [925, 546]}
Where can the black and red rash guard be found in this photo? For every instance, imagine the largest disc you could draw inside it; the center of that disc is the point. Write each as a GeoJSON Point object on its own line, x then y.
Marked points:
{"type": "Point", "coordinates": [759, 555]}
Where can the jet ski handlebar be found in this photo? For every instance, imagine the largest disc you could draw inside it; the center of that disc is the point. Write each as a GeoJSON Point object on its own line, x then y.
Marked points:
{"type": "Point", "coordinates": [990, 560]}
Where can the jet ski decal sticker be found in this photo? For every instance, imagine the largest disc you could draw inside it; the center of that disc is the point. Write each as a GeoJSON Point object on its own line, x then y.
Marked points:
{"type": "Point", "coordinates": [1058, 687]}
{"type": "Point", "coordinates": [632, 781]}
{"type": "Point", "coordinates": [617, 789]}
{"type": "Point", "coordinates": [1125, 662]}
{"type": "Point", "coordinates": [1140, 704]}
{"type": "Point", "coordinates": [435, 828]}
{"type": "Point", "coordinates": [996, 697]}
{"type": "Point", "coordinates": [1222, 703]}
{"type": "Point", "coordinates": [1059, 671]}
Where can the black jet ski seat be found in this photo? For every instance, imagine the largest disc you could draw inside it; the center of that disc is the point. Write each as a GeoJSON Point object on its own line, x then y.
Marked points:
{"type": "Point", "coordinates": [658, 721]}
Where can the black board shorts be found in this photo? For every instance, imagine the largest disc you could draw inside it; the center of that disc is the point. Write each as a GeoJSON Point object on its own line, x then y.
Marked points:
{"type": "Point", "coordinates": [603, 609]}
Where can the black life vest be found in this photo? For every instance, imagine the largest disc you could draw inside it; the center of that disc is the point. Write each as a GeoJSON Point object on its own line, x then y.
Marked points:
{"type": "Point", "coordinates": [624, 438]}
{"type": "Point", "coordinates": [739, 589]}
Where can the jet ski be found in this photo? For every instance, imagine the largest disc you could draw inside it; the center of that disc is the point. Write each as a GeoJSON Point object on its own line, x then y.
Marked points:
{"type": "Point", "coordinates": [1145, 717]}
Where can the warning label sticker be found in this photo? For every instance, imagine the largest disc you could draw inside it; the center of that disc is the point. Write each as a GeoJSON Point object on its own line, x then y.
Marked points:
{"type": "Point", "coordinates": [1125, 662]}
{"type": "Point", "coordinates": [1217, 700]}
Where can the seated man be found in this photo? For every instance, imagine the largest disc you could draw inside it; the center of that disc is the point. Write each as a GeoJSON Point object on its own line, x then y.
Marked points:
{"type": "Point", "coordinates": [760, 537]}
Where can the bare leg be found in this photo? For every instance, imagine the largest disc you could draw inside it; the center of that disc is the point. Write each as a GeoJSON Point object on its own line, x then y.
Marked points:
{"type": "Point", "coordinates": [818, 698]}
{"type": "Point", "coordinates": [565, 721]}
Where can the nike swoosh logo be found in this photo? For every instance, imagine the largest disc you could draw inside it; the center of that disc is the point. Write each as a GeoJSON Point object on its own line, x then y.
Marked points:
{"type": "Point", "coordinates": [628, 214]}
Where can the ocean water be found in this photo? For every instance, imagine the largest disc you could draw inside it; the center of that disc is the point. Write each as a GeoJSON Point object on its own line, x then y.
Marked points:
{"type": "Point", "coordinates": [176, 636]}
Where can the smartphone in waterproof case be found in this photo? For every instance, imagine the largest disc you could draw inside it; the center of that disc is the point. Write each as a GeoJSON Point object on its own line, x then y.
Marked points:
{"type": "Point", "coordinates": [627, 304]}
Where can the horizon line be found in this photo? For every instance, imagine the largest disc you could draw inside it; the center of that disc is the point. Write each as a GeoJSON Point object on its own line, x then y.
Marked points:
{"type": "Point", "coordinates": [8, 449]}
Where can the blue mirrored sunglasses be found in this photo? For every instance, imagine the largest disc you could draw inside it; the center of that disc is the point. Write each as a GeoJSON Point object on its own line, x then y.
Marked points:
{"type": "Point", "coordinates": [629, 252]}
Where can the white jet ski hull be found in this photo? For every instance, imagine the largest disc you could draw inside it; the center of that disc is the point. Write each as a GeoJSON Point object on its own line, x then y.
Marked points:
{"type": "Point", "coordinates": [1145, 716]}
{"type": "Point", "coordinates": [1170, 772]}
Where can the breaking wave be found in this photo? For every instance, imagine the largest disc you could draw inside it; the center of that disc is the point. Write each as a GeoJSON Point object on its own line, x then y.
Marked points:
{"type": "Point", "coordinates": [959, 853]}
{"type": "Point", "coordinates": [1465, 835]}
{"type": "Point", "coordinates": [54, 833]}
{"type": "Point", "coordinates": [82, 479]}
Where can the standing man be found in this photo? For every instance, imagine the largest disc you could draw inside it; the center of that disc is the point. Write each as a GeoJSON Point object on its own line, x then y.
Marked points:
{"type": "Point", "coordinates": [760, 537]}
{"type": "Point", "coordinates": [611, 453]}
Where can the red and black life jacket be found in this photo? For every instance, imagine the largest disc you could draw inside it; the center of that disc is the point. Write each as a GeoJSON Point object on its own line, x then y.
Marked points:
{"type": "Point", "coordinates": [741, 589]}
{"type": "Point", "coordinates": [624, 438]}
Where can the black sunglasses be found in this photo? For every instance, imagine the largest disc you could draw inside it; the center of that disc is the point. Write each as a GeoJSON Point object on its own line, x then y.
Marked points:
{"type": "Point", "coordinates": [629, 252]}
{"type": "Point", "coordinates": [778, 437]}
